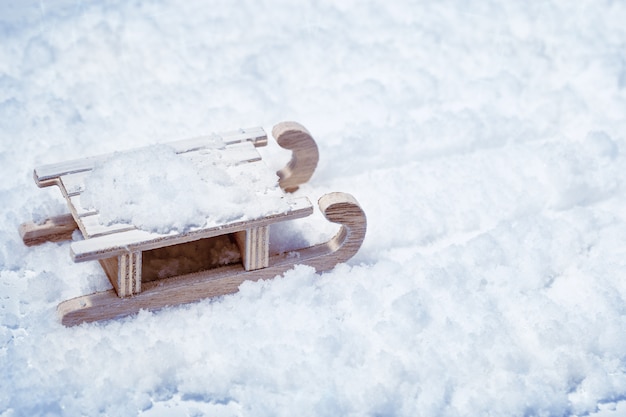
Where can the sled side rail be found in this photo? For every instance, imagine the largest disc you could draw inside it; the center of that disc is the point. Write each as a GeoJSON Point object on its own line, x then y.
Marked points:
{"type": "Point", "coordinates": [131, 241]}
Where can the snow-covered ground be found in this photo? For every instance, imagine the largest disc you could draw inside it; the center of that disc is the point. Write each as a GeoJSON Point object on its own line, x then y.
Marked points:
{"type": "Point", "coordinates": [485, 140]}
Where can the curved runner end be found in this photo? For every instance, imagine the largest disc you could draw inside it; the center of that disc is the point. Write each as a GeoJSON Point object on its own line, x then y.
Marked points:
{"type": "Point", "coordinates": [344, 209]}
{"type": "Point", "coordinates": [304, 157]}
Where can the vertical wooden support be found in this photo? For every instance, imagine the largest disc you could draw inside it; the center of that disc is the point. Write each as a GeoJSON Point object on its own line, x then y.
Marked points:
{"type": "Point", "coordinates": [129, 274]}
{"type": "Point", "coordinates": [254, 246]}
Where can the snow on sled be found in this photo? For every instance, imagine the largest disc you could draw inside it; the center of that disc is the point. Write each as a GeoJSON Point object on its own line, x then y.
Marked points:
{"type": "Point", "coordinates": [145, 262]}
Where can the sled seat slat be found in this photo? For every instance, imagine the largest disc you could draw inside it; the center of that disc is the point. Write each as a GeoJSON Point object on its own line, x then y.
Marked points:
{"type": "Point", "coordinates": [78, 210]}
{"type": "Point", "coordinates": [235, 154]}
{"type": "Point", "coordinates": [46, 175]}
{"type": "Point", "coordinates": [116, 244]}
{"type": "Point", "coordinates": [91, 226]}
{"type": "Point", "coordinates": [73, 184]}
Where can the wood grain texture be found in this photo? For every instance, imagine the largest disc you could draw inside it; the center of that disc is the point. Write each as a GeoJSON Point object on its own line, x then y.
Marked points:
{"type": "Point", "coordinates": [47, 175]}
{"type": "Point", "coordinates": [254, 246]}
{"type": "Point", "coordinates": [111, 268]}
{"type": "Point", "coordinates": [110, 245]}
{"type": "Point", "coordinates": [337, 207]}
{"type": "Point", "coordinates": [129, 274]}
{"type": "Point", "coordinates": [304, 157]}
{"type": "Point", "coordinates": [54, 229]}
{"type": "Point", "coordinates": [243, 154]}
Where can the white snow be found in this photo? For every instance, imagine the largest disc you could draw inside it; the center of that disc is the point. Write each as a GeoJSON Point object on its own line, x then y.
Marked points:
{"type": "Point", "coordinates": [158, 190]}
{"type": "Point", "coordinates": [485, 141]}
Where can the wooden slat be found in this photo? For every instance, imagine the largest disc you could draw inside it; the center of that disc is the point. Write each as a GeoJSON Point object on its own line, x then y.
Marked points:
{"type": "Point", "coordinates": [337, 207]}
{"type": "Point", "coordinates": [129, 274]}
{"type": "Point", "coordinates": [54, 229]}
{"type": "Point", "coordinates": [116, 244]}
{"type": "Point", "coordinates": [88, 221]}
{"type": "Point", "coordinates": [237, 153]}
{"type": "Point", "coordinates": [201, 142]}
{"type": "Point", "coordinates": [253, 171]}
{"type": "Point", "coordinates": [74, 183]}
{"type": "Point", "coordinates": [91, 227]}
{"type": "Point", "coordinates": [78, 209]}
{"type": "Point", "coordinates": [255, 135]}
{"type": "Point", "coordinates": [241, 153]}
{"type": "Point", "coordinates": [46, 174]}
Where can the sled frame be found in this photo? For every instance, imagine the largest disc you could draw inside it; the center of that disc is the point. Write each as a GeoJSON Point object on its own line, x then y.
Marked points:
{"type": "Point", "coordinates": [120, 247]}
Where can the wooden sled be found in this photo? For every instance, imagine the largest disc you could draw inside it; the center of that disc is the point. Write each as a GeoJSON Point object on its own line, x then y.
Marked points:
{"type": "Point", "coordinates": [124, 250]}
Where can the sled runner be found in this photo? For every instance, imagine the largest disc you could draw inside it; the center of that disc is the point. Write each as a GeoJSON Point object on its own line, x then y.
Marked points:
{"type": "Point", "coordinates": [129, 254]}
